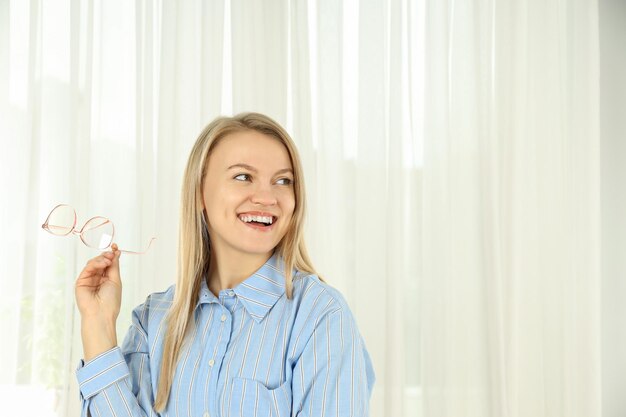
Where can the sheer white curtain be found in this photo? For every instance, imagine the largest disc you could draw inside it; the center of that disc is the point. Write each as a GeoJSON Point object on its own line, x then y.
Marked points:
{"type": "Point", "coordinates": [451, 155]}
{"type": "Point", "coordinates": [100, 102]}
{"type": "Point", "coordinates": [510, 294]}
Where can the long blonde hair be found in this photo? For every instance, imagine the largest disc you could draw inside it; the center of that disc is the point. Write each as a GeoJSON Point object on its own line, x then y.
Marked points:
{"type": "Point", "coordinates": [194, 253]}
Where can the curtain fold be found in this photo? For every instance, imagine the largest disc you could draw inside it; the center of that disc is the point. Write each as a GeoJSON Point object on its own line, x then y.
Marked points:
{"type": "Point", "coordinates": [510, 290]}
{"type": "Point", "coordinates": [101, 102]}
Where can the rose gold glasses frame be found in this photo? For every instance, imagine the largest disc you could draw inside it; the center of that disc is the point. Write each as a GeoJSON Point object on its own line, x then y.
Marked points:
{"type": "Point", "coordinates": [46, 226]}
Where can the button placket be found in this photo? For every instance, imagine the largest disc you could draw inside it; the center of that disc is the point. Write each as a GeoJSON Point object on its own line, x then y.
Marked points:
{"type": "Point", "coordinates": [210, 400]}
{"type": "Point", "coordinates": [220, 351]}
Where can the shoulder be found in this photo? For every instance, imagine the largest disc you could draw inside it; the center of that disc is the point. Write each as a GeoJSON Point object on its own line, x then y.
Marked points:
{"type": "Point", "coordinates": [161, 299]}
{"type": "Point", "coordinates": [317, 299]}
{"type": "Point", "coordinates": [153, 309]}
{"type": "Point", "coordinates": [147, 321]}
{"type": "Point", "coordinates": [322, 319]}
{"type": "Point", "coordinates": [307, 285]}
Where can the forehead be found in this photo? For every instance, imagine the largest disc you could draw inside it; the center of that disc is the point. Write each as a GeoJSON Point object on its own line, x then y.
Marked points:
{"type": "Point", "coordinates": [250, 147]}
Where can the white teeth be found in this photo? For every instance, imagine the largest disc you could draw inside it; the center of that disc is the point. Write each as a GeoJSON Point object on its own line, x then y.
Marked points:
{"type": "Point", "coordinates": [261, 219]}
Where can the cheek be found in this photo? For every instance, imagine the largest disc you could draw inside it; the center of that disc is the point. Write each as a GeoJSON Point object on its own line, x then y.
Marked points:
{"type": "Point", "coordinates": [216, 206]}
{"type": "Point", "coordinates": [289, 205]}
{"type": "Point", "coordinates": [228, 203]}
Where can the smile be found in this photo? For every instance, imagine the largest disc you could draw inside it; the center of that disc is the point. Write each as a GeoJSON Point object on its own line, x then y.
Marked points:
{"type": "Point", "coordinates": [262, 221]}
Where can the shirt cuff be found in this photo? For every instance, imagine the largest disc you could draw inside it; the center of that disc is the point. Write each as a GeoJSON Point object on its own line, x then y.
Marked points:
{"type": "Point", "coordinates": [100, 372]}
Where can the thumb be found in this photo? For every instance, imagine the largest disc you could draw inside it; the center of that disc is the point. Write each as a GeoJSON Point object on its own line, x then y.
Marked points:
{"type": "Point", "coordinates": [113, 270]}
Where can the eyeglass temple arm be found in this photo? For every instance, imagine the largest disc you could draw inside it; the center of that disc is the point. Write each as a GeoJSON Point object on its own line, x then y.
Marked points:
{"type": "Point", "coordinates": [139, 253]}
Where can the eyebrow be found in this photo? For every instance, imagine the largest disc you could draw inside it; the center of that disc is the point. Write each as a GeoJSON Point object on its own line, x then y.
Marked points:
{"type": "Point", "coordinates": [253, 169]}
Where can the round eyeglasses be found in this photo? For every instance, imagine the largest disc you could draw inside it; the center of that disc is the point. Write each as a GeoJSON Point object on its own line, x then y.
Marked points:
{"type": "Point", "coordinates": [97, 232]}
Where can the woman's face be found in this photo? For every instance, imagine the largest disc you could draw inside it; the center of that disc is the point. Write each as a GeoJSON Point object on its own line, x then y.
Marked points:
{"type": "Point", "coordinates": [248, 185]}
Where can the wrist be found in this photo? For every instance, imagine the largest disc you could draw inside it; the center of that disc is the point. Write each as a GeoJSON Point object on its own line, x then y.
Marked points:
{"type": "Point", "coordinates": [98, 336]}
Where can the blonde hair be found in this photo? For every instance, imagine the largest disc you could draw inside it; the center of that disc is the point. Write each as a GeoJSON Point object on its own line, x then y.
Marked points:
{"type": "Point", "coordinates": [194, 253]}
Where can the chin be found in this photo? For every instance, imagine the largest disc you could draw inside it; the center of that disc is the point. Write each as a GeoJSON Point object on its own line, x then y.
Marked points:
{"type": "Point", "coordinates": [258, 250]}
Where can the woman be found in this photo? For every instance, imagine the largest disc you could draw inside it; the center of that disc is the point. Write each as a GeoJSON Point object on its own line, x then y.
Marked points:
{"type": "Point", "coordinates": [249, 329]}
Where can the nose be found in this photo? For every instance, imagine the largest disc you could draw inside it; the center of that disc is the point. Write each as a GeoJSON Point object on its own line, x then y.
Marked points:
{"type": "Point", "coordinates": [263, 196]}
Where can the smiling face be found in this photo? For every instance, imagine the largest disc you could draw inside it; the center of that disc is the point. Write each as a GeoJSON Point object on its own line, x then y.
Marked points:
{"type": "Point", "coordinates": [248, 185]}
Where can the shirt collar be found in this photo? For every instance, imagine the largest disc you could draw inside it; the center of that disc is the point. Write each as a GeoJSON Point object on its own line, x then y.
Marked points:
{"type": "Point", "coordinates": [259, 292]}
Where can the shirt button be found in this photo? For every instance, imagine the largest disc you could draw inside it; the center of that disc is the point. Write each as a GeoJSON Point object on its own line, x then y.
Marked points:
{"type": "Point", "coordinates": [211, 363]}
{"type": "Point", "coordinates": [206, 414]}
{"type": "Point", "coordinates": [223, 318]}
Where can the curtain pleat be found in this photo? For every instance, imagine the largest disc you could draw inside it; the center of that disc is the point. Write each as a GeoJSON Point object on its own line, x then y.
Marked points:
{"type": "Point", "coordinates": [510, 322]}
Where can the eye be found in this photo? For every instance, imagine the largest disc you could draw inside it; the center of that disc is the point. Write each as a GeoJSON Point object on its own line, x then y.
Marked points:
{"type": "Point", "coordinates": [284, 181]}
{"type": "Point", "coordinates": [242, 177]}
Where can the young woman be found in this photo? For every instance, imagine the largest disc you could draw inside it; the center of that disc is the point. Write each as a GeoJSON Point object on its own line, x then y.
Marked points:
{"type": "Point", "coordinates": [249, 329]}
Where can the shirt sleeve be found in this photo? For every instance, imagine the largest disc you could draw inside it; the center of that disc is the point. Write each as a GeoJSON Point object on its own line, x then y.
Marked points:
{"type": "Point", "coordinates": [117, 382]}
{"type": "Point", "coordinates": [334, 375]}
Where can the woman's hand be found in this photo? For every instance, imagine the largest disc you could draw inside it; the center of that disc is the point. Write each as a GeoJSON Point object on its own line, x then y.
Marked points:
{"type": "Point", "coordinates": [98, 293]}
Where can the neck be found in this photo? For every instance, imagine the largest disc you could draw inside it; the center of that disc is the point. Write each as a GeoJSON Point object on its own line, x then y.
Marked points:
{"type": "Point", "coordinates": [229, 270]}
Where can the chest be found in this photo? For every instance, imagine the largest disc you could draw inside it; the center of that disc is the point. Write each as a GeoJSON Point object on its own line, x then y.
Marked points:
{"type": "Point", "coordinates": [233, 365]}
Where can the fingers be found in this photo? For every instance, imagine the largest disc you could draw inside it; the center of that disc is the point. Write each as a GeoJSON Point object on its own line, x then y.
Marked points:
{"type": "Point", "coordinates": [95, 265]}
{"type": "Point", "coordinates": [106, 260]}
{"type": "Point", "coordinates": [98, 264]}
{"type": "Point", "coordinates": [113, 254]}
{"type": "Point", "coordinates": [114, 270]}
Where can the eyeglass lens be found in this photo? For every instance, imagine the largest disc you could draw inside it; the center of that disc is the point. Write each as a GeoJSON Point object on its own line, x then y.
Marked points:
{"type": "Point", "coordinates": [62, 220]}
{"type": "Point", "coordinates": [96, 233]}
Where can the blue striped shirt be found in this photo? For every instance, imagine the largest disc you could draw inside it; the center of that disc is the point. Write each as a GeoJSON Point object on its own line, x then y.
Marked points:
{"type": "Point", "coordinates": [251, 353]}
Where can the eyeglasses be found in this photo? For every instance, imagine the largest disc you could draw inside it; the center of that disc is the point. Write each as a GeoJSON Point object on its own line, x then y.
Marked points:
{"type": "Point", "coordinates": [97, 233]}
